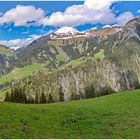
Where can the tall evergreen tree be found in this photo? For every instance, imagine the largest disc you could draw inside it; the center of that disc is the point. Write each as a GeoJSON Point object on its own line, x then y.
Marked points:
{"type": "Point", "coordinates": [43, 98]}
{"type": "Point", "coordinates": [7, 97]}
{"type": "Point", "coordinates": [73, 96]}
{"type": "Point", "coordinates": [90, 91]}
{"type": "Point", "coordinates": [61, 94]}
{"type": "Point", "coordinates": [36, 99]}
{"type": "Point", "coordinates": [30, 100]}
{"type": "Point", "coordinates": [50, 99]}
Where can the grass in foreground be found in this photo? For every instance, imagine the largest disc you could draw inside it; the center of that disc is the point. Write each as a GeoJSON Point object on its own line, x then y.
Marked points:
{"type": "Point", "coordinates": [113, 116]}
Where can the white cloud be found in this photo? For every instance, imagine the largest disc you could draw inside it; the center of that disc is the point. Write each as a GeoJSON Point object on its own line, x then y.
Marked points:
{"type": "Point", "coordinates": [22, 15]}
{"type": "Point", "coordinates": [98, 4]}
{"type": "Point", "coordinates": [138, 11]}
{"type": "Point", "coordinates": [26, 32]}
{"type": "Point", "coordinates": [124, 18]}
{"type": "Point", "coordinates": [92, 11]}
{"type": "Point", "coordinates": [17, 43]}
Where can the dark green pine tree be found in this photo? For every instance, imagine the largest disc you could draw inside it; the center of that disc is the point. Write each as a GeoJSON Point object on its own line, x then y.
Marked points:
{"type": "Point", "coordinates": [50, 99]}
{"type": "Point", "coordinates": [43, 98]}
{"type": "Point", "coordinates": [22, 96]}
{"type": "Point", "coordinates": [30, 100]}
{"type": "Point", "coordinates": [36, 99]}
{"type": "Point", "coordinates": [73, 96]}
{"type": "Point", "coordinates": [7, 97]}
{"type": "Point", "coordinates": [12, 96]}
{"type": "Point", "coordinates": [16, 95]}
{"type": "Point", "coordinates": [61, 94]}
{"type": "Point", "coordinates": [90, 91]}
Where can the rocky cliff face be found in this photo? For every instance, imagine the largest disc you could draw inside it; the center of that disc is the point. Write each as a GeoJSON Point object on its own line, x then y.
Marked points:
{"type": "Point", "coordinates": [101, 78]}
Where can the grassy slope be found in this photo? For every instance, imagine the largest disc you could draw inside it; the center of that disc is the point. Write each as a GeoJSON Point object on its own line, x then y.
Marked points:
{"type": "Point", "coordinates": [81, 60]}
{"type": "Point", "coordinates": [113, 116]}
{"type": "Point", "coordinates": [21, 72]}
{"type": "Point", "coordinates": [6, 51]}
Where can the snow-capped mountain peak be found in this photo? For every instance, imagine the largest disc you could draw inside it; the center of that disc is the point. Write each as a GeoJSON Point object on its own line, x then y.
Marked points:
{"type": "Point", "coordinates": [69, 32]}
{"type": "Point", "coordinates": [66, 31]}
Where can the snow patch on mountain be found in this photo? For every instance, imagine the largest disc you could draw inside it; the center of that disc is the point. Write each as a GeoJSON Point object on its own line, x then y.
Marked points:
{"type": "Point", "coordinates": [66, 31]}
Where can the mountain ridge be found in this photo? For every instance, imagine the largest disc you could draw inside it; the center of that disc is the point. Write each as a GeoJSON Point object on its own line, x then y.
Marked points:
{"type": "Point", "coordinates": [84, 66]}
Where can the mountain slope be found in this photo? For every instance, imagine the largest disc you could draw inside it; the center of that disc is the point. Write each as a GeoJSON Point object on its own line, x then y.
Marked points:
{"type": "Point", "coordinates": [85, 66]}
{"type": "Point", "coordinates": [65, 43]}
{"type": "Point", "coordinates": [102, 65]}
{"type": "Point", "coordinates": [57, 52]}
{"type": "Point", "coordinates": [6, 55]}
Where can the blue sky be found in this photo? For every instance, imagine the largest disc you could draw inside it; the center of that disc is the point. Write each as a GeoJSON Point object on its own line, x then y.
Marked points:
{"type": "Point", "coordinates": [22, 22]}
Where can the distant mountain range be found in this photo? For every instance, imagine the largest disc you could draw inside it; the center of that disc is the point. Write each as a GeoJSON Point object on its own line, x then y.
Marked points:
{"type": "Point", "coordinates": [85, 64]}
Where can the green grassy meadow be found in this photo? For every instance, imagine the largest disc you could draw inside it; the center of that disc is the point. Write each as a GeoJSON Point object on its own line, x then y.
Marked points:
{"type": "Point", "coordinates": [113, 116]}
{"type": "Point", "coordinates": [21, 72]}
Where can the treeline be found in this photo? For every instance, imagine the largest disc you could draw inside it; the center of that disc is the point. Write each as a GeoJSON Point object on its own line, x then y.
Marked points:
{"type": "Point", "coordinates": [90, 92]}
{"type": "Point", "coordinates": [17, 95]}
